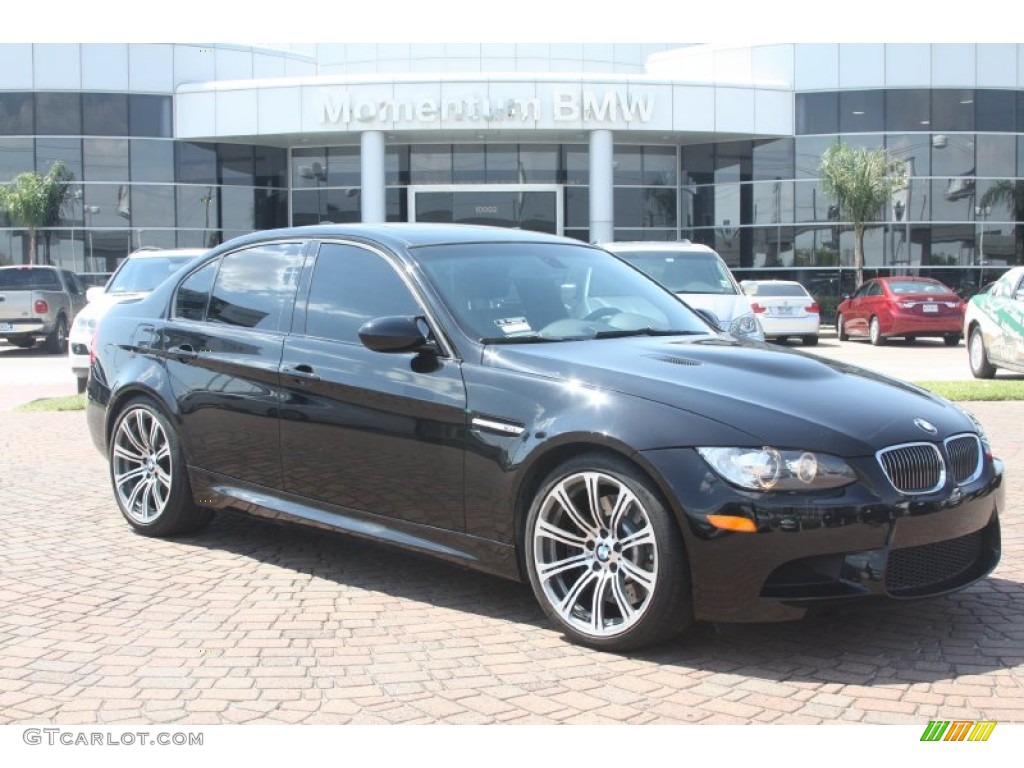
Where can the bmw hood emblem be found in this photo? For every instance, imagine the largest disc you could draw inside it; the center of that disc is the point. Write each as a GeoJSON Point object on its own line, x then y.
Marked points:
{"type": "Point", "coordinates": [927, 426]}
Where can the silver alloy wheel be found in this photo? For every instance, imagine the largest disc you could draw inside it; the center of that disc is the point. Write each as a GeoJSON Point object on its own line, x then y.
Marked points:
{"type": "Point", "coordinates": [875, 331]}
{"type": "Point", "coordinates": [977, 351]}
{"type": "Point", "coordinates": [595, 554]}
{"type": "Point", "coordinates": [142, 466]}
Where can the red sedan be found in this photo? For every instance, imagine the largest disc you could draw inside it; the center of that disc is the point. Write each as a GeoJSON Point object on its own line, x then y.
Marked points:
{"type": "Point", "coordinates": [901, 306]}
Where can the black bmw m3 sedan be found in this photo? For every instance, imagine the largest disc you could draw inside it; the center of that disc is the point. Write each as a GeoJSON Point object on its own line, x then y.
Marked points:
{"type": "Point", "coordinates": [534, 407]}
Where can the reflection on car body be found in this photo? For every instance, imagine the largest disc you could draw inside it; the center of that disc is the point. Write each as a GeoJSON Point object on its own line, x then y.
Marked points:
{"type": "Point", "coordinates": [536, 408]}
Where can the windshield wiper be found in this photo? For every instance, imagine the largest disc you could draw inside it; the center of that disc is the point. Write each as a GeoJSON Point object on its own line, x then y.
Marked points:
{"type": "Point", "coordinates": [531, 338]}
{"type": "Point", "coordinates": [644, 332]}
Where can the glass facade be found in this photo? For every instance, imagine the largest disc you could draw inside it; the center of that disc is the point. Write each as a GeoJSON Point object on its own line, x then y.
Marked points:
{"type": "Point", "coordinates": [133, 185]}
{"type": "Point", "coordinates": [757, 202]}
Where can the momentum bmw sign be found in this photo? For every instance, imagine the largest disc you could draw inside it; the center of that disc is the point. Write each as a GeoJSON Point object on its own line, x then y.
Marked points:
{"type": "Point", "coordinates": [609, 106]}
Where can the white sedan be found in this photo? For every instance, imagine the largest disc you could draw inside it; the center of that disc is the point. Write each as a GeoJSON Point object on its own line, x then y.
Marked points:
{"type": "Point", "coordinates": [784, 308]}
{"type": "Point", "coordinates": [136, 276]}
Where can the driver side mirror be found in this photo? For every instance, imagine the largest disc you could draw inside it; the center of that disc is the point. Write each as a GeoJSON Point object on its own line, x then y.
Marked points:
{"type": "Point", "coordinates": [397, 334]}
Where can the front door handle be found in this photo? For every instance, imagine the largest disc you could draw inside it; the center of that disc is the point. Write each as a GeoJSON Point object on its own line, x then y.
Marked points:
{"type": "Point", "coordinates": [302, 372]}
{"type": "Point", "coordinates": [184, 353]}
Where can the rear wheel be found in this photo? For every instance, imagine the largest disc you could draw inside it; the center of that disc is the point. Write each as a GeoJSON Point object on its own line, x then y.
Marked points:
{"type": "Point", "coordinates": [978, 357]}
{"type": "Point", "coordinates": [147, 469]}
{"type": "Point", "coordinates": [841, 329]}
{"type": "Point", "coordinates": [605, 558]}
{"type": "Point", "coordinates": [82, 381]}
{"type": "Point", "coordinates": [875, 333]}
{"type": "Point", "coordinates": [57, 340]}
{"type": "Point", "coordinates": [23, 342]}
{"type": "Point", "coordinates": [951, 339]}
{"type": "Point", "coordinates": [810, 341]}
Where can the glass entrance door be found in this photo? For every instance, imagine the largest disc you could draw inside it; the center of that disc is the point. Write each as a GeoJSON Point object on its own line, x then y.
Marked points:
{"type": "Point", "coordinates": [536, 207]}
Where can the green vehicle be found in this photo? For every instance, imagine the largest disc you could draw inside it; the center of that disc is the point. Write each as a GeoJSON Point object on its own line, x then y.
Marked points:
{"type": "Point", "coordinates": [994, 326]}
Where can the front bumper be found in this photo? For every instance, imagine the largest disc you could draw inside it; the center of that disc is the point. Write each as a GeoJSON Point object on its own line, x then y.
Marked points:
{"type": "Point", "coordinates": [864, 541]}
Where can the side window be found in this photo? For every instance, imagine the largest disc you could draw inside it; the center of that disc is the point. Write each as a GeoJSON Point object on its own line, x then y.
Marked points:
{"type": "Point", "coordinates": [194, 293]}
{"type": "Point", "coordinates": [350, 286]}
{"type": "Point", "coordinates": [255, 287]}
{"type": "Point", "coordinates": [875, 289]}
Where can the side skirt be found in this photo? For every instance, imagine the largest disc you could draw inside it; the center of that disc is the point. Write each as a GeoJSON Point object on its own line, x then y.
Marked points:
{"type": "Point", "coordinates": [216, 491]}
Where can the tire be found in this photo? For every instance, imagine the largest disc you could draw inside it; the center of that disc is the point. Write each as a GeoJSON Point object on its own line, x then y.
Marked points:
{"type": "Point", "coordinates": [875, 332]}
{"type": "Point", "coordinates": [910, 339]}
{"type": "Point", "coordinates": [57, 339]}
{"type": "Point", "coordinates": [148, 474]}
{"type": "Point", "coordinates": [978, 357]}
{"type": "Point", "coordinates": [81, 381]}
{"type": "Point", "coordinates": [23, 343]}
{"type": "Point", "coordinates": [573, 555]}
{"type": "Point", "coordinates": [841, 329]}
{"type": "Point", "coordinates": [952, 339]}
{"type": "Point", "coordinates": [810, 341]}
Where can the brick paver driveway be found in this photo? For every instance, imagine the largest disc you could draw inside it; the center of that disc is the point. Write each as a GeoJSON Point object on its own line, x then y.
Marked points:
{"type": "Point", "coordinates": [252, 622]}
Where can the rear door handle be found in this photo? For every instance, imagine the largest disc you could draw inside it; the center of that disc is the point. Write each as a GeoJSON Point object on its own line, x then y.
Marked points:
{"type": "Point", "coordinates": [302, 372]}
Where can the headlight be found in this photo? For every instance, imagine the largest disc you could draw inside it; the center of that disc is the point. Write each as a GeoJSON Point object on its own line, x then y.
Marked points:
{"type": "Point", "coordinates": [986, 445]}
{"type": "Point", "coordinates": [769, 469]}
{"type": "Point", "coordinates": [84, 324]}
{"type": "Point", "coordinates": [747, 327]}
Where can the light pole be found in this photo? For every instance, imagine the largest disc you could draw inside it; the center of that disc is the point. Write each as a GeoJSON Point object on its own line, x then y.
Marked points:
{"type": "Point", "coordinates": [981, 212]}
{"type": "Point", "coordinates": [89, 211]}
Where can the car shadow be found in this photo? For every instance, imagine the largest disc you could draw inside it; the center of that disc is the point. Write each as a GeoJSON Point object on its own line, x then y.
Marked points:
{"type": "Point", "coordinates": [19, 352]}
{"type": "Point", "coordinates": [976, 631]}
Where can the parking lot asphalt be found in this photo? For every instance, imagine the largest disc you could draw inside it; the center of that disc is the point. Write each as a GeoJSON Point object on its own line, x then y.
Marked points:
{"type": "Point", "coordinates": [253, 622]}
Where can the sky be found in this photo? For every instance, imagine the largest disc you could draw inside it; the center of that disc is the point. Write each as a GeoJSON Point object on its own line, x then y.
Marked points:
{"type": "Point", "coordinates": [399, 21]}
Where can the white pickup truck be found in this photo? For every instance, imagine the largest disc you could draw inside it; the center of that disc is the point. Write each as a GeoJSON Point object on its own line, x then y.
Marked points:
{"type": "Point", "coordinates": [39, 303]}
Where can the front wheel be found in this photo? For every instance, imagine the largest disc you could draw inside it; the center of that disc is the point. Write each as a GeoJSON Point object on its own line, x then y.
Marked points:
{"type": "Point", "coordinates": [147, 469]}
{"type": "Point", "coordinates": [605, 558]}
{"type": "Point", "coordinates": [981, 368]}
{"type": "Point", "coordinates": [875, 332]}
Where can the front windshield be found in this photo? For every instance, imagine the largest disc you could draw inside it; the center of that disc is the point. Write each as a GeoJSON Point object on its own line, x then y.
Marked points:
{"type": "Point", "coordinates": [143, 275]}
{"type": "Point", "coordinates": [691, 272]}
{"type": "Point", "coordinates": [517, 292]}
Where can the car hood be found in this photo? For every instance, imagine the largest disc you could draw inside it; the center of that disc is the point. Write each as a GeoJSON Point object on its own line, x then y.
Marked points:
{"type": "Point", "coordinates": [99, 306]}
{"type": "Point", "coordinates": [726, 306]}
{"type": "Point", "coordinates": [784, 398]}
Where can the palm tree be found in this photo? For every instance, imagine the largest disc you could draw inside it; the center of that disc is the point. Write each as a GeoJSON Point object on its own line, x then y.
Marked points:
{"type": "Point", "coordinates": [35, 201]}
{"type": "Point", "coordinates": [862, 181]}
{"type": "Point", "coordinates": [1010, 194]}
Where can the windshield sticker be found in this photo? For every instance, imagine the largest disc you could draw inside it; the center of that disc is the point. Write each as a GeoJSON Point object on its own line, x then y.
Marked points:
{"type": "Point", "coordinates": [513, 326]}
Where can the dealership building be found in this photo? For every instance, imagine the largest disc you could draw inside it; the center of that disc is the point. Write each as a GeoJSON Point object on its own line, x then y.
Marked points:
{"type": "Point", "coordinates": [187, 145]}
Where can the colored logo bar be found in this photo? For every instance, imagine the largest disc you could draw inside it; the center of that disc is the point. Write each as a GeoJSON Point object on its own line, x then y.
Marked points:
{"type": "Point", "coordinates": [958, 730]}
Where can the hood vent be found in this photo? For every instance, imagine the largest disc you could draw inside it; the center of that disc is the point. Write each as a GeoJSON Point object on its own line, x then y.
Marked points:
{"type": "Point", "coordinates": [675, 360]}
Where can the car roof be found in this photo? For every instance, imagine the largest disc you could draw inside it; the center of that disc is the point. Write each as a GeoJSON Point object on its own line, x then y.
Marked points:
{"type": "Point", "coordinates": [153, 253]}
{"type": "Point", "coordinates": [658, 246]}
{"type": "Point", "coordinates": [399, 235]}
{"type": "Point", "coordinates": [771, 282]}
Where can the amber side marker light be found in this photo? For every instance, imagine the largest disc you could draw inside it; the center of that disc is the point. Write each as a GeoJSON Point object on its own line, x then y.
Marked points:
{"type": "Point", "coordinates": [730, 523]}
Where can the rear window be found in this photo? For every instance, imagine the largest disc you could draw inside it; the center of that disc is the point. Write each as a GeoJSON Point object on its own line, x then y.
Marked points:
{"type": "Point", "coordinates": [900, 287]}
{"type": "Point", "coordinates": [775, 290]}
{"type": "Point", "coordinates": [30, 279]}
